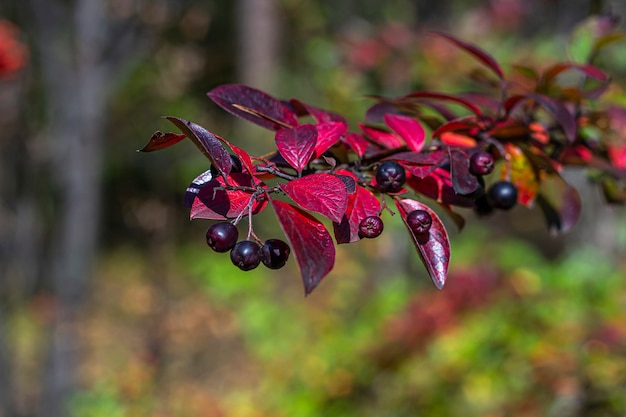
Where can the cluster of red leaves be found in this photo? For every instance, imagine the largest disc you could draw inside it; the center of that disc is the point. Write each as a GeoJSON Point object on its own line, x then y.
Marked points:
{"type": "Point", "coordinates": [13, 54]}
{"type": "Point", "coordinates": [532, 129]}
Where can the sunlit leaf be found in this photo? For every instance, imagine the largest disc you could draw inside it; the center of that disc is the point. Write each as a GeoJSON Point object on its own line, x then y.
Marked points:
{"type": "Point", "coordinates": [356, 142]}
{"type": "Point", "coordinates": [311, 243]}
{"type": "Point", "coordinates": [328, 134]}
{"type": "Point", "coordinates": [381, 137]}
{"type": "Point", "coordinates": [408, 129]}
{"type": "Point", "coordinates": [322, 193]}
{"type": "Point", "coordinates": [254, 106]}
{"type": "Point", "coordinates": [297, 145]}
{"type": "Point", "coordinates": [433, 246]}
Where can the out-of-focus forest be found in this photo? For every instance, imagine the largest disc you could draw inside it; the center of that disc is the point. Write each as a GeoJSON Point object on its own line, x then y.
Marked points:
{"type": "Point", "coordinates": [111, 304]}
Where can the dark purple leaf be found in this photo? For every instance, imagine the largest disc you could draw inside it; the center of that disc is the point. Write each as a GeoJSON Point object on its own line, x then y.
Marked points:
{"type": "Point", "coordinates": [160, 140]}
{"type": "Point", "coordinates": [322, 193]}
{"type": "Point", "coordinates": [463, 181]}
{"type": "Point", "coordinates": [328, 134]}
{"type": "Point", "coordinates": [433, 246]}
{"type": "Point", "coordinates": [254, 106]}
{"type": "Point", "coordinates": [297, 145]}
{"type": "Point", "coordinates": [485, 58]}
{"type": "Point", "coordinates": [348, 181]}
{"type": "Point", "coordinates": [207, 142]}
{"type": "Point", "coordinates": [409, 129]}
{"type": "Point", "coordinates": [311, 243]}
{"type": "Point", "coordinates": [419, 158]}
{"type": "Point", "coordinates": [438, 186]}
{"type": "Point", "coordinates": [213, 202]}
{"type": "Point", "coordinates": [195, 186]}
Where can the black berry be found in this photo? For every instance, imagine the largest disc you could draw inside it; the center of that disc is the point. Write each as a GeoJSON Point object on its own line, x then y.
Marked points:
{"type": "Point", "coordinates": [481, 163]}
{"type": "Point", "coordinates": [419, 221]}
{"type": "Point", "coordinates": [274, 253]}
{"type": "Point", "coordinates": [221, 237]}
{"type": "Point", "coordinates": [246, 255]}
{"type": "Point", "coordinates": [371, 227]}
{"type": "Point", "coordinates": [502, 195]}
{"type": "Point", "coordinates": [390, 177]}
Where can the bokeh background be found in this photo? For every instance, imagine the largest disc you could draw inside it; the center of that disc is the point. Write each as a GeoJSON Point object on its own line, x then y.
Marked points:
{"type": "Point", "coordinates": [112, 305]}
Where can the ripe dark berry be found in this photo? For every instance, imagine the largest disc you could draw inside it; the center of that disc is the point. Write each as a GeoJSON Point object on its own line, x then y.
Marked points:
{"type": "Point", "coordinates": [246, 255]}
{"type": "Point", "coordinates": [481, 163]}
{"type": "Point", "coordinates": [371, 227]}
{"type": "Point", "coordinates": [502, 195]}
{"type": "Point", "coordinates": [419, 221]}
{"type": "Point", "coordinates": [274, 253]}
{"type": "Point", "coordinates": [390, 177]}
{"type": "Point", "coordinates": [221, 237]}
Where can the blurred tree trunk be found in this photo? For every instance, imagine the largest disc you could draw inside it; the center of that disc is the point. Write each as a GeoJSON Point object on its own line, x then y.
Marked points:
{"type": "Point", "coordinates": [258, 23]}
{"type": "Point", "coordinates": [75, 84]}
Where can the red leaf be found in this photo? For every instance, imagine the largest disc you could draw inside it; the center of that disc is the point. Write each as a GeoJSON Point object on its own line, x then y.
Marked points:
{"type": "Point", "coordinates": [438, 186]}
{"type": "Point", "coordinates": [244, 157]}
{"type": "Point", "coordinates": [311, 243]}
{"type": "Point", "coordinates": [207, 142]}
{"type": "Point", "coordinates": [409, 129]}
{"type": "Point", "coordinates": [478, 53]}
{"type": "Point", "coordinates": [361, 204]}
{"type": "Point", "coordinates": [434, 246]}
{"type": "Point", "coordinates": [463, 181]}
{"type": "Point", "coordinates": [356, 142]}
{"type": "Point", "coordinates": [297, 145]}
{"type": "Point", "coordinates": [160, 140]}
{"type": "Point", "coordinates": [218, 204]}
{"type": "Point", "coordinates": [322, 193]}
{"type": "Point", "coordinates": [381, 137]}
{"type": "Point", "coordinates": [328, 134]}
{"type": "Point", "coordinates": [254, 106]}
{"type": "Point", "coordinates": [419, 158]}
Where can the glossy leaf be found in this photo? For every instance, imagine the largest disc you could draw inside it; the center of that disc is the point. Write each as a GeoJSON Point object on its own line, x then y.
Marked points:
{"type": "Point", "coordinates": [408, 129]}
{"type": "Point", "coordinates": [433, 246]}
{"type": "Point", "coordinates": [297, 145]}
{"type": "Point", "coordinates": [328, 134]}
{"type": "Point", "coordinates": [215, 203]}
{"type": "Point", "coordinates": [194, 188]}
{"type": "Point", "coordinates": [310, 242]}
{"type": "Point", "coordinates": [207, 142]}
{"type": "Point", "coordinates": [485, 58]}
{"type": "Point", "coordinates": [463, 181]}
{"type": "Point", "coordinates": [254, 106]}
{"type": "Point", "coordinates": [160, 140]}
{"type": "Point", "coordinates": [322, 193]}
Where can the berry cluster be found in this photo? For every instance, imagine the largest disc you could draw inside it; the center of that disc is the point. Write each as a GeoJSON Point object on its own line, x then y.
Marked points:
{"type": "Point", "coordinates": [246, 254]}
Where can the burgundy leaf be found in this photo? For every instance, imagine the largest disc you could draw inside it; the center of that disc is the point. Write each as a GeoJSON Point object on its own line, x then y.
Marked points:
{"type": "Point", "coordinates": [478, 53]}
{"type": "Point", "coordinates": [588, 70]}
{"type": "Point", "coordinates": [318, 114]}
{"type": "Point", "coordinates": [560, 113]}
{"type": "Point", "coordinates": [419, 171]}
{"type": "Point", "coordinates": [409, 129]}
{"type": "Point", "coordinates": [457, 125]}
{"type": "Point", "coordinates": [311, 243]}
{"type": "Point", "coordinates": [297, 145]}
{"type": "Point", "coordinates": [381, 137]}
{"type": "Point", "coordinates": [328, 133]}
{"type": "Point", "coordinates": [195, 186]}
{"type": "Point", "coordinates": [254, 106]}
{"type": "Point", "coordinates": [207, 142]}
{"type": "Point", "coordinates": [377, 112]}
{"type": "Point", "coordinates": [244, 157]}
{"type": "Point", "coordinates": [160, 140]}
{"type": "Point", "coordinates": [428, 95]}
{"type": "Point", "coordinates": [463, 181]}
{"type": "Point", "coordinates": [356, 142]}
{"type": "Point", "coordinates": [215, 203]}
{"type": "Point", "coordinates": [560, 203]}
{"type": "Point", "coordinates": [433, 246]}
{"type": "Point", "coordinates": [419, 158]}
{"type": "Point", "coordinates": [322, 193]}
{"type": "Point", "coordinates": [361, 204]}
